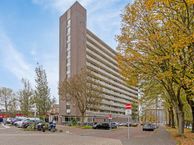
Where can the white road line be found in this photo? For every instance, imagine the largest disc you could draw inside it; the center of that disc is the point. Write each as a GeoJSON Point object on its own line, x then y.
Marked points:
{"type": "Point", "coordinates": [4, 126]}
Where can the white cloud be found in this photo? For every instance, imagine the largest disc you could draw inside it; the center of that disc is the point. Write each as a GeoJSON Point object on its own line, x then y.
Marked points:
{"type": "Point", "coordinates": [103, 16]}
{"type": "Point", "coordinates": [13, 60]}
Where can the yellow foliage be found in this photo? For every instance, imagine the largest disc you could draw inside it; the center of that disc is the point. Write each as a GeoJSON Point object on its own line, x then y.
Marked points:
{"type": "Point", "coordinates": [190, 1]}
{"type": "Point", "coordinates": [149, 3]}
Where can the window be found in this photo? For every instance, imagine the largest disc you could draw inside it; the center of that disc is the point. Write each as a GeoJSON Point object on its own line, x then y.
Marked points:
{"type": "Point", "coordinates": [68, 38]}
{"type": "Point", "coordinates": [68, 69]}
{"type": "Point", "coordinates": [68, 30]}
{"type": "Point", "coordinates": [68, 46]}
{"type": "Point", "coordinates": [68, 60]}
{"type": "Point", "coordinates": [68, 75]}
{"type": "Point", "coordinates": [68, 106]}
{"type": "Point", "coordinates": [68, 23]}
{"type": "Point", "coordinates": [68, 53]}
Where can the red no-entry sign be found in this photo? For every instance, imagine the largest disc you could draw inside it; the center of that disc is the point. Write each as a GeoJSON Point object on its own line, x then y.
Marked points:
{"type": "Point", "coordinates": [128, 106]}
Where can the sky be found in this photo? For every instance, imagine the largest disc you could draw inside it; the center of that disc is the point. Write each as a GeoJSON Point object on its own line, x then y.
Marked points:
{"type": "Point", "coordinates": [29, 33]}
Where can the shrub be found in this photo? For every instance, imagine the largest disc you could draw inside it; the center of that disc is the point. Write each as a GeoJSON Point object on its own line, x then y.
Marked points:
{"type": "Point", "coordinates": [87, 127]}
{"type": "Point", "coordinates": [30, 127]}
{"type": "Point", "coordinates": [74, 122]}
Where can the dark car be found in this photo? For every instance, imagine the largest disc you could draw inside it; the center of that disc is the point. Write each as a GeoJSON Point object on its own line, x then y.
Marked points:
{"type": "Point", "coordinates": [101, 126]}
{"type": "Point", "coordinates": [114, 124]}
{"type": "Point", "coordinates": [105, 125]}
{"type": "Point", "coordinates": [148, 127]}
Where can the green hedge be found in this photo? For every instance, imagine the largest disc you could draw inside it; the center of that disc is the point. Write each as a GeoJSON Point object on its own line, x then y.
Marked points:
{"type": "Point", "coordinates": [87, 127]}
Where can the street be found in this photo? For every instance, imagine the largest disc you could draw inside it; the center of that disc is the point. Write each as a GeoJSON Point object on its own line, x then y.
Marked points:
{"type": "Point", "coordinates": [78, 136]}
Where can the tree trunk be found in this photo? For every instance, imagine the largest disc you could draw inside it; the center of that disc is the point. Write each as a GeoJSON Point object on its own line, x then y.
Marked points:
{"type": "Point", "coordinates": [82, 119]}
{"type": "Point", "coordinates": [191, 104]}
{"type": "Point", "coordinates": [192, 119]}
{"type": "Point", "coordinates": [172, 118]}
{"type": "Point", "coordinates": [169, 118]}
{"type": "Point", "coordinates": [6, 106]}
{"type": "Point", "coordinates": [181, 123]}
{"type": "Point", "coordinates": [173, 121]}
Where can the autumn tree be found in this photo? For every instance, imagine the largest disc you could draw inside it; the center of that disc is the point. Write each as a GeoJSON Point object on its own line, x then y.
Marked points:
{"type": "Point", "coordinates": [156, 43]}
{"type": "Point", "coordinates": [42, 91]}
{"type": "Point", "coordinates": [26, 97]}
{"type": "Point", "coordinates": [84, 90]}
{"type": "Point", "coordinates": [152, 91]}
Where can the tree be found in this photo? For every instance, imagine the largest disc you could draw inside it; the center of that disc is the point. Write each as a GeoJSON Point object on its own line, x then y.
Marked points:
{"type": "Point", "coordinates": [42, 91]}
{"type": "Point", "coordinates": [26, 97]}
{"type": "Point", "coordinates": [6, 95]}
{"type": "Point", "coordinates": [135, 112]}
{"type": "Point", "coordinates": [53, 101]}
{"type": "Point", "coordinates": [13, 105]}
{"type": "Point", "coordinates": [153, 91]}
{"type": "Point", "coordinates": [84, 90]}
{"type": "Point", "coordinates": [156, 44]}
{"type": "Point", "coordinates": [180, 19]}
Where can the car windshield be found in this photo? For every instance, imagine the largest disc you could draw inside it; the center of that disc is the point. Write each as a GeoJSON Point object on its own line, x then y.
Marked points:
{"type": "Point", "coordinates": [148, 125]}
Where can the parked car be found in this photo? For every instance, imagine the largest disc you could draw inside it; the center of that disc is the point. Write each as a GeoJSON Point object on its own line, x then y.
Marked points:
{"type": "Point", "coordinates": [101, 126]}
{"type": "Point", "coordinates": [148, 127]}
{"type": "Point", "coordinates": [123, 124]}
{"type": "Point", "coordinates": [26, 123]}
{"type": "Point", "coordinates": [88, 123]}
{"type": "Point", "coordinates": [8, 121]}
{"type": "Point", "coordinates": [105, 125]}
{"type": "Point", "coordinates": [114, 124]}
{"type": "Point", "coordinates": [20, 123]}
{"type": "Point", "coordinates": [14, 122]}
{"type": "Point", "coordinates": [134, 124]}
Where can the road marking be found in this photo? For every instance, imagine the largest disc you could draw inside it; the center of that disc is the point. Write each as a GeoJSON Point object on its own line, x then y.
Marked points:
{"type": "Point", "coordinates": [2, 126]}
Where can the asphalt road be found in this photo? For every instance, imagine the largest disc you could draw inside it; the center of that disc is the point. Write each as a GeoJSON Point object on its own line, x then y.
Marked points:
{"type": "Point", "coordinates": [78, 136]}
{"type": "Point", "coordinates": [136, 136]}
{"type": "Point", "coordinates": [15, 136]}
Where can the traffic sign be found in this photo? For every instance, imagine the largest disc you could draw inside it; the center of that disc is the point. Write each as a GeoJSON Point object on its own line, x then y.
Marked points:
{"type": "Point", "coordinates": [128, 106]}
{"type": "Point", "coordinates": [128, 112]}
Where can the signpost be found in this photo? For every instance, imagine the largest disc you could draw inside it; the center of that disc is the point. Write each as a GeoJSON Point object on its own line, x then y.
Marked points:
{"type": "Point", "coordinates": [128, 107]}
{"type": "Point", "coordinates": [110, 118]}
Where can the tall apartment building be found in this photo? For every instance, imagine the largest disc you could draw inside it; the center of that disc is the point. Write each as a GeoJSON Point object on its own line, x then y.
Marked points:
{"type": "Point", "coordinates": [79, 48]}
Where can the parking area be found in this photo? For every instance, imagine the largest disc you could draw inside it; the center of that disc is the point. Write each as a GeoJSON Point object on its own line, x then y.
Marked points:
{"type": "Point", "coordinates": [78, 136]}
{"type": "Point", "coordinates": [16, 136]}
{"type": "Point", "coordinates": [136, 135]}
